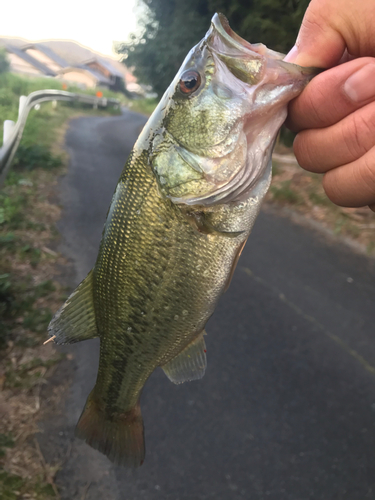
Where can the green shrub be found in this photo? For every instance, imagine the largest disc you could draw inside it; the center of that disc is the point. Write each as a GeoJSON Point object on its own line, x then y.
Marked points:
{"type": "Point", "coordinates": [11, 210]}
{"type": "Point", "coordinates": [6, 97]}
{"type": "Point", "coordinates": [34, 156]}
{"type": "Point", "coordinates": [6, 441]}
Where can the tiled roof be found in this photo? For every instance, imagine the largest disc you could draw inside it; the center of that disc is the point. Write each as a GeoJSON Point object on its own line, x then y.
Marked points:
{"type": "Point", "coordinates": [31, 60]}
{"type": "Point", "coordinates": [106, 64]}
{"type": "Point", "coordinates": [49, 53]}
{"type": "Point", "coordinates": [101, 78]}
{"type": "Point", "coordinates": [98, 76]}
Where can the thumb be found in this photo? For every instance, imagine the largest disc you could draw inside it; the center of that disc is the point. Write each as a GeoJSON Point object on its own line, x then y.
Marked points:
{"type": "Point", "coordinates": [331, 26]}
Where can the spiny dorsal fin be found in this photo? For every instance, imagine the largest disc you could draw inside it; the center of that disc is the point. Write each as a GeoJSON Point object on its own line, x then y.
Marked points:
{"type": "Point", "coordinates": [190, 364]}
{"type": "Point", "coordinates": [75, 320]}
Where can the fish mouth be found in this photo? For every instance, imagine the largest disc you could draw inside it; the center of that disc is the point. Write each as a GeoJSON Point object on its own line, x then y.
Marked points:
{"type": "Point", "coordinates": [230, 39]}
{"type": "Point", "coordinates": [249, 61]}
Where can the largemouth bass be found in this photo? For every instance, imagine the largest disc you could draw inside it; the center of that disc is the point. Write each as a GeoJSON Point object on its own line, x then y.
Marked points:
{"type": "Point", "coordinates": [180, 216]}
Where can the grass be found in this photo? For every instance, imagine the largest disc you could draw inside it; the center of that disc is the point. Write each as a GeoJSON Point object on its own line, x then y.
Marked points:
{"type": "Point", "coordinates": [28, 292]}
{"type": "Point", "coordinates": [13, 487]}
{"type": "Point", "coordinates": [144, 106]}
{"type": "Point", "coordinates": [284, 193]}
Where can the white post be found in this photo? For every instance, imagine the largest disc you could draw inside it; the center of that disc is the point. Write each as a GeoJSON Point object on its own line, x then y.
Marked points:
{"type": "Point", "coordinates": [8, 129]}
{"type": "Point", "coordinates": [54, 104]}
{"type": "Point", "coordinates": [21, 104]}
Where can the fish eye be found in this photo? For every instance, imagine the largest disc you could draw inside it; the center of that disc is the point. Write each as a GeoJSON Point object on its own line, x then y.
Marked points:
{"type": "Point", "coordinates": [190, 81]}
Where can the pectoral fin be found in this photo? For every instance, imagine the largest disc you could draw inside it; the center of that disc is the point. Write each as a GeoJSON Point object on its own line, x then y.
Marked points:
{"type": "Point", "coordinates": [200, 222]}
{"type": "Point", "coordinates": [190, 364]}
{"type": "Point", "coordinates": [234, 265]}
{"type": "Point", "coordinates": [75, 321]}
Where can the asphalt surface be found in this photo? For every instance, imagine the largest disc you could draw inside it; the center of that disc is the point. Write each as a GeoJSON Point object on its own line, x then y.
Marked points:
{"type": "Point", "coordinates": [286, 409]}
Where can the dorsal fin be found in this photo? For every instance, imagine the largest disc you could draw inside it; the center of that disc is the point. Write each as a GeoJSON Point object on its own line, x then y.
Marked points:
{"type": "Point", "coordinates": [75, 320]}
{"type": "Point", "coordinates": [189, 364]}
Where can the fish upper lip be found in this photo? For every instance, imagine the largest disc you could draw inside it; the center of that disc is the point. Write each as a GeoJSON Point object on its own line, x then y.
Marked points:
{"type": "Point", "coordinates": [220, 24]}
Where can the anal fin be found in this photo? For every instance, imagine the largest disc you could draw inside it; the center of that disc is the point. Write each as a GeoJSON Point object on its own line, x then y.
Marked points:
{"type": "Point", "coordinates": [189, 364]}
{"type": "Point", "coordinates": [75, 320]}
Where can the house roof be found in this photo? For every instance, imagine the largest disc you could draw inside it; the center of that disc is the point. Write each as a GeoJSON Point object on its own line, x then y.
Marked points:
{"type": "Point", "coordinates": [48, 52]}
{"type": "Point", "coordinates": [72, 52]}
{"type": "Point", "coordinates": [67, 53]}
{"type": "Point", "coordinates": [101, 79]}
{"type": "Point", "coordinates": [31, 60]}
{"type": "Point", "coordinates": [106, 64]}
{"type": "Point", "coordinates": [15, 42]}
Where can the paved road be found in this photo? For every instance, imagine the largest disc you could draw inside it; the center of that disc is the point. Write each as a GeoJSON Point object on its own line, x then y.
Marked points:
{"type": "Point", "coordinates": [286, 410]}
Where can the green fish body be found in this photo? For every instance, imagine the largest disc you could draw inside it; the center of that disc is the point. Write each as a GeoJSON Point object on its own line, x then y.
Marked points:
{"type": "Point", "coordinates": [182, 211]}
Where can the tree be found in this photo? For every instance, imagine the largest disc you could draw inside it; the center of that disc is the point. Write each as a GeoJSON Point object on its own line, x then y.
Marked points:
{"type": "Point", "coordinates": [172, 27]}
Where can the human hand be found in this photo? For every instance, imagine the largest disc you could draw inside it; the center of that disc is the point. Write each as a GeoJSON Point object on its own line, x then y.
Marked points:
{"type": "Point", "coordinates": [335, 115]}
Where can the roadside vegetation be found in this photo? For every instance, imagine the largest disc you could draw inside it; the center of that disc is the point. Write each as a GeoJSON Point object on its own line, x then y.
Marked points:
{"type": "Point", "coordinates": [145, 106]}
{"type": "Point", "coordinates": [29, 291]}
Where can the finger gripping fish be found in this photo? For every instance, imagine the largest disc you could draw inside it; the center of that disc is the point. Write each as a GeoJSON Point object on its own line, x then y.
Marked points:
{"type": "Point", "coordinates": [180, 216]}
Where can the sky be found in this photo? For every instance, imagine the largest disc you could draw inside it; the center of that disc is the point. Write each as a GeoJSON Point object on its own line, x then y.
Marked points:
{"type": "Point", "coordinates": [95, 24]}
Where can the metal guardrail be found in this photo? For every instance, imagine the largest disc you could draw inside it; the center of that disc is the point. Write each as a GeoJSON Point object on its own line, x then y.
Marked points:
{"type": "Point", "coordinates": [13, 131]}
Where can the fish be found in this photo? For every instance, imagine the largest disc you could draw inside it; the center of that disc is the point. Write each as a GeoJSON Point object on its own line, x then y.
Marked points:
{"type": "Point", "coordinates": [178, 221]}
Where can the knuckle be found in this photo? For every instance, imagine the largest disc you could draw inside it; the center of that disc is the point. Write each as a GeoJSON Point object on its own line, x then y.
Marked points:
{"type": "Point", "coordinates": [303, 151]}
{"type": "Point", "coordinates": [315, 105]}
{"type": "Point", "coordinates": [366, 173]}
{"type": "Point", "coordinates": [312, 21]}
{"type": "Point", "coordinates": [333, 188]}
{"type": "Point", "coordinates": [320, 101]}
{"type": "Point", "coordinates": [359, 130]}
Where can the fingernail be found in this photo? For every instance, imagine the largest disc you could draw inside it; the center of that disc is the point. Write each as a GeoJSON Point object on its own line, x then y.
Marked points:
{"type": "Point", "coordinates": [291, 55]}
{"type": "Point", "coordinates": [360, 86]}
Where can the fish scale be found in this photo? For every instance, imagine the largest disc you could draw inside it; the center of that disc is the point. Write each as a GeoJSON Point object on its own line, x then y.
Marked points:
{"type": "Point", "coordinates": [180, 216]}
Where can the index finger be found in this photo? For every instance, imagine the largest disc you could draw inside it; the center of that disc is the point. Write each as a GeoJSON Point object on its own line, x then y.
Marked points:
{"type": "Point", "coordinates": [325, 101]}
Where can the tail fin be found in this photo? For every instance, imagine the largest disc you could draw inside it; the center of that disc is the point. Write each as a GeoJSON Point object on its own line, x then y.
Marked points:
{"type": "Point", "coordinates": [120, 438]}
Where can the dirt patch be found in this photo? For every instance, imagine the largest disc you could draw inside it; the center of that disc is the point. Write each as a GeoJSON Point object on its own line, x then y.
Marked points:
{"type": "Point", "coordinates": [302, 192]}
